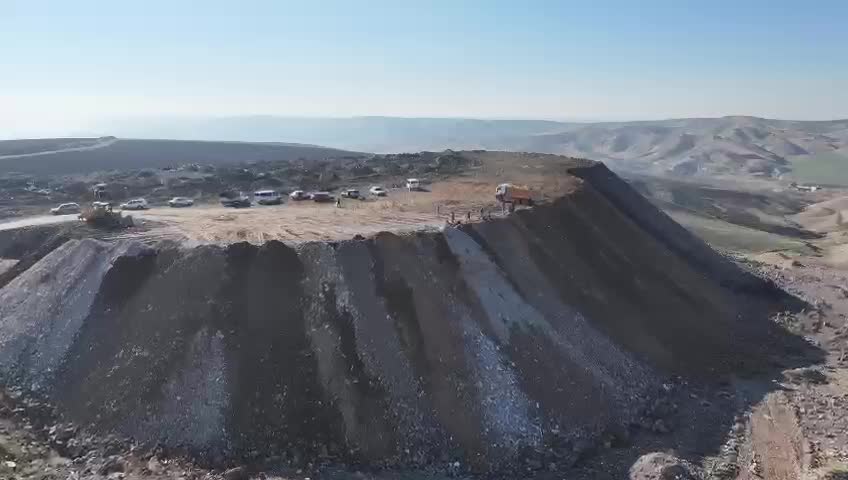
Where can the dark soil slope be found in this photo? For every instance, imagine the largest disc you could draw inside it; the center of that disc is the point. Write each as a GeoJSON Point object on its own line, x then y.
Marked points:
{"type": "Point", "coordinates": [531, 337]}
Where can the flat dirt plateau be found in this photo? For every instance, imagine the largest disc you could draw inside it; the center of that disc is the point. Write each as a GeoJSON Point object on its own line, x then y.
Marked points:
{"type": "Point", "coordinates": [588, 337]}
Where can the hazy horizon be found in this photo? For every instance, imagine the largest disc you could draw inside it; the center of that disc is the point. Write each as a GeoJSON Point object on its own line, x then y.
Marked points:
{"type": "Point", "coordinates": [175, 126]}
{"type": "Point", "coordinates": [73, 66]}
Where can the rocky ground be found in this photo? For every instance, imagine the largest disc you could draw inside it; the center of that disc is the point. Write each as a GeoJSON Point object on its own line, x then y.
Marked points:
{"type": "Point", "coordinates": [792, 426]}
{"type": "Point", "coordinates": [801, 430]}
{"type": "Point", "coordinates": [45, 451]}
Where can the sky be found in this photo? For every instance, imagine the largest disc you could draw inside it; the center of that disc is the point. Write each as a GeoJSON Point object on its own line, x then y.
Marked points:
{"type": "Point", "coordinates": [66, 63]}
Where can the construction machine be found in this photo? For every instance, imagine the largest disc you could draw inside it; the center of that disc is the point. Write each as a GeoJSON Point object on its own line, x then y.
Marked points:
{"type": "Point", "coordinates": [100, 214]}
{"type": "Point", "coordinates": [509, 194]}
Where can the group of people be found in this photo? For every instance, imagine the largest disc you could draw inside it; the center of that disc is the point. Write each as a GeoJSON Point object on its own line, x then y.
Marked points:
{"type": "Point", "coordinates": [453, 222]}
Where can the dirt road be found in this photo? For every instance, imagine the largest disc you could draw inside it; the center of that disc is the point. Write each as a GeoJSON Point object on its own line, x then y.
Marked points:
{"type": "Point", "coordinates": [290, 222]}
{"type": "Point", "coordinates": [293, 221]}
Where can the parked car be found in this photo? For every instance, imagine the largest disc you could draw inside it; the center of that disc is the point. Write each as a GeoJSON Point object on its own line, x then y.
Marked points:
{"type": "Point", "coordinates": [135, 204]}
{"type": "Point", "coordinates": [234, 199]}
{"type": "Point", "coordinates": [177, 202]}
{"type": "Point", "coordinates": [267, 197]}
{"type": "Point", "coordinates": [299, 195]}
{"type": "Point", "coordinates": [321, 197]}
{"type": "Point", "coordinates": [378, 191]}
{"type": "Point", "coordinates": [66, 209]}
{"type": "Point", "coordinates": [350, 193]}
{"type": "Point", "coordinates": [413, 184]}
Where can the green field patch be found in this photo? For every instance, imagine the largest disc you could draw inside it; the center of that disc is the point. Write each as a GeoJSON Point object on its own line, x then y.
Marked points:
{"type": "Point", "coordinates": [728, 236]}
{"type": "Point", "coordinates": [824, 168]}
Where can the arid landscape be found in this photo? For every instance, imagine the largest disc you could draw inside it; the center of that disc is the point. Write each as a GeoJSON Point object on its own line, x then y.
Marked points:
{"type": "Point", "coordinates": [588, 336]}
{"type": "Point", "coordinates": [812, 151]}
{"type": "Point", "coordinates": [476, 240]}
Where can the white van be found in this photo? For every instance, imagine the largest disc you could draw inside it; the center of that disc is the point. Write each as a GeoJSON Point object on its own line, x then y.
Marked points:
{"type": "Point", "coordinates": [413, 184]}
{"type": "Point", "coordinates": [267, 197]}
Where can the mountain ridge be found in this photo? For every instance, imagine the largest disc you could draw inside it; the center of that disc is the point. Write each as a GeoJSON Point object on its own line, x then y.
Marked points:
{"type": "Point", "coordinates": [727, 146]}
{"type": "Point", "coordinates": [730, 145]}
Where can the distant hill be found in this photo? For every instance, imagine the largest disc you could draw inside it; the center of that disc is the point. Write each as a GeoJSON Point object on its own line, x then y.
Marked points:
{"type": "Point", "coordinates": [83, 155]}
{"type": "Point", "coordinates": [27, 147]}
{"type": "Point", "coordinates": [714, 146]}
{"type": "Point", "coordinates": [708, 146]}
{"type": "Point", "coordinates": [365, 134]}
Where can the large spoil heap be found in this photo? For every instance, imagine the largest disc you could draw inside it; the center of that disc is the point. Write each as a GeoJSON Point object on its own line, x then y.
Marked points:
{"type": "Point", "coordinates": [528, 336]}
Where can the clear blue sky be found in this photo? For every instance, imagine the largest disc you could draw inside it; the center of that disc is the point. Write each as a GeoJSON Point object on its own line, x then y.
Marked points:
{"type": "Point", "coordinates": [66, 61]}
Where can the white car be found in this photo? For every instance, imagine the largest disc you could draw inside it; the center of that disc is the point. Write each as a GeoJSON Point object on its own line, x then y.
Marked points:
{"type": "Point", "coordinates": [378, 191]}
{"type": "Point", "coordinates": [65, 209]}
{"type": "Point", "coordinates": [299, 195]}
{"type": "Point", "coordinates": [135, 204]}
{"type": "Point", "coordinates": [177, 202]}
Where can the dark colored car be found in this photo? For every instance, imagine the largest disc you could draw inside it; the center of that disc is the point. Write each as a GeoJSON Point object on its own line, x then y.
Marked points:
{"type": "Point", "coordinates": [235, 200]}
{"type": "Point", "coordinates": [321, 197]}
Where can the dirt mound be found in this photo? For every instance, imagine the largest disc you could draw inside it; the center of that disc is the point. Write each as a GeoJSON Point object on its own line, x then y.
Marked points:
{"type": "Point", "coordinates": [521, 339]}
{"type": "Point", "coordinates": [21, 249]}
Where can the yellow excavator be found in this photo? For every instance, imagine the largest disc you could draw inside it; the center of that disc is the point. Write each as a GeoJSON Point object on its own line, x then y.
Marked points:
{"type": "Point", "coordinates": [100, 212]}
